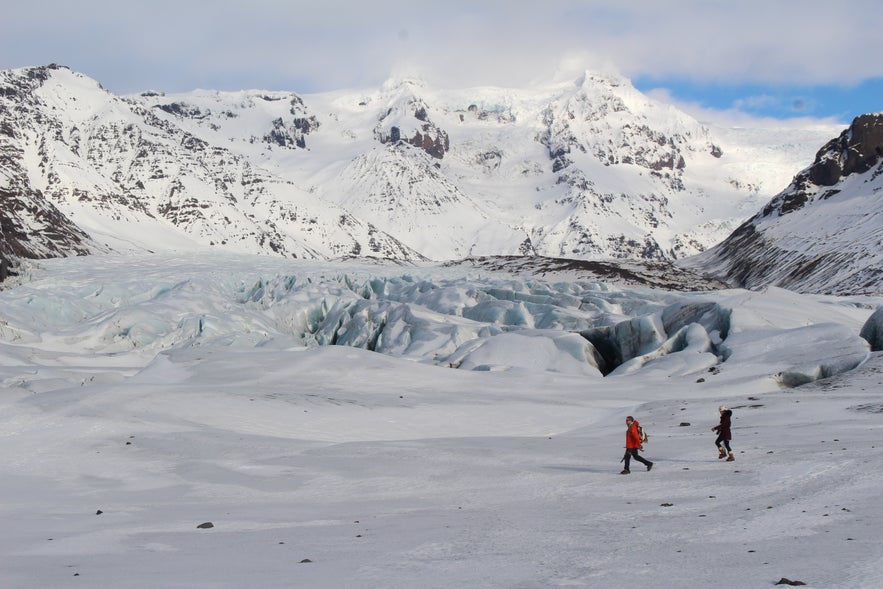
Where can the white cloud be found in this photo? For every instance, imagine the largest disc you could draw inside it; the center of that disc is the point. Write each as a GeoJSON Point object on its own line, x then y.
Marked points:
{"type": "Point", "coordinates": [178, 45]}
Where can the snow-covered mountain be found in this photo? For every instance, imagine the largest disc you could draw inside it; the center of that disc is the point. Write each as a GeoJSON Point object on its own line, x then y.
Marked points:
{"type": "Point", "coordinates": [586, 169]}
{"type": "Point", "coordinates": [822, 234]}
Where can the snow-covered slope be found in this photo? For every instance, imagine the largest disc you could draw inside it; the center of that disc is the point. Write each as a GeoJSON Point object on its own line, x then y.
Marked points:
{"type": "Point", "coordinates": [187, 421]}
{"type": "Point", "coordinates": [822, 234]}
{"type": "Point", "coordinates": [132, 178]}
{"type": "Point", "coordinates": [586, 169]}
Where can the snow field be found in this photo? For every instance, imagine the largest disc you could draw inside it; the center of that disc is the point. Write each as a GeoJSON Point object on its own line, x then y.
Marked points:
{"type": "Point", "coordinates": [393, 469]}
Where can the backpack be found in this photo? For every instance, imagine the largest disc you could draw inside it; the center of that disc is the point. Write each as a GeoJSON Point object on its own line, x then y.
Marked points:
{"type": "Point", "coordinates": [642, 434]}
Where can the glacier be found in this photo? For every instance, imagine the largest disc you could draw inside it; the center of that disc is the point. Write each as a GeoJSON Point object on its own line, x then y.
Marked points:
{"type": "Point", "coordinates": [449, 316]}
{"type": "Point", "coordinates": [232, 420]}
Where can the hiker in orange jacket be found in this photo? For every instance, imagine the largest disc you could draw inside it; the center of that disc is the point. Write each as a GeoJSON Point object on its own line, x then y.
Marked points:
{"type": "Point", "coordinates": [633, 444]}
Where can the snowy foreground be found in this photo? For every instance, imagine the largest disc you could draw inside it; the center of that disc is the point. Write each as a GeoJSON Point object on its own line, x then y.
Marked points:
{"type": "Point", "coordinates": [477, 447]}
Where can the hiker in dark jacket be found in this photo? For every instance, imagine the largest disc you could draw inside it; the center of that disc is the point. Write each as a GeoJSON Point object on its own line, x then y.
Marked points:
{"type": "Point", "coordinates": [633, 444]}
{"type": "Point", "coordinates": [723, 434]}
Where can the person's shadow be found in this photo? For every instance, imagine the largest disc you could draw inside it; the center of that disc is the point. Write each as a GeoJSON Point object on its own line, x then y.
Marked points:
{"type": "Point", "coordinates": [576, 468]}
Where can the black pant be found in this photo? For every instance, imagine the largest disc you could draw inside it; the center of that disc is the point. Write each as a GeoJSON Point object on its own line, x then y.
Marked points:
{"type": "Point", "coordinates": [633, 453]}
{"type": "Point", "coordinates": [726, 443]}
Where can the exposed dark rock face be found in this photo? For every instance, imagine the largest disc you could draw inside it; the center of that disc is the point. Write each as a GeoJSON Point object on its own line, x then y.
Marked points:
{"type": "Point", "coordinates": [647, 273]}
{"type": "Point", "coordinates": [6, 268]}
{"type": "Point", "coordinates": [31, 227]}
{"type": "Point", "coordinates": [432, 140]}
{"type": "Point", "coordinates": [424, 134]}
{"type": "Point", "coordinates": [292, 133]}
{"type": "Point", "coordinates": [857, 150]}
{"type": "Point", "coordinates": [181, 109]}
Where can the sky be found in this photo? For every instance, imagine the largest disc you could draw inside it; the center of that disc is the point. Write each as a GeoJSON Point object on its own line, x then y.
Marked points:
{"type": "Point", "coordinates": [790, 59]}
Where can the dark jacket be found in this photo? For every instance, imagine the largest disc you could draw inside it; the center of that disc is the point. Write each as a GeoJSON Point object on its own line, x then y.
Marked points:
{"type": "Point", "coordinates": [723, 430]}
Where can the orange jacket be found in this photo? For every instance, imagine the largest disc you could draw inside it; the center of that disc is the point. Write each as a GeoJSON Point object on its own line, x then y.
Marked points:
{"type": "Point", "coordinates": [632, 437]}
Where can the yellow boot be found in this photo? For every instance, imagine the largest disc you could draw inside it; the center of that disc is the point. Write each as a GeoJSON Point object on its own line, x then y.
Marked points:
{"type": "Point", "coordinates": [722, 453]}
{"type": "Point", "coordinates": [730, 458]}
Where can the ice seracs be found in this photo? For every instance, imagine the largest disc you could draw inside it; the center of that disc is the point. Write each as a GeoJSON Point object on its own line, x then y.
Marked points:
{"type": "Point", "coordinates": [872, 330]}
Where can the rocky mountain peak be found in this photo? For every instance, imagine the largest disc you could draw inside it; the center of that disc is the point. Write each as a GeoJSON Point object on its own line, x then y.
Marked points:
{"type": "Point", "coordinates": [855, 151]}
{"type": "Point", "coordinates": [587, 170]}
{"type": "Point", "coordinates": [407, 120]}
{"type": "Point", "coordinates": [822, 233]}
